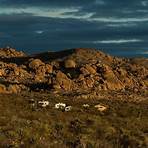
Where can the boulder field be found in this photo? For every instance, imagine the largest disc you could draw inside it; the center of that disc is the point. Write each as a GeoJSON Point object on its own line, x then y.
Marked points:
{"type": "Point", "coordinates": [70, 70]}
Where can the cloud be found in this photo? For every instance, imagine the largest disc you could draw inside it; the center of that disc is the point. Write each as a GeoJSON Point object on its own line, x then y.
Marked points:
{"type": "Point", "coordinates": [121, 20]}
{"type": "Point", "coordinates": [144, 3]}
{"type": "Point", "coordinates": [144, 52]}
{"type": "Point", "coordinates": [94, 10]}
{"type": "Point", "coordinates": [119, 25]}
{"type": "Point", "coordinates": [45, 3]}
{"type": "Point", "coordinates": [39, 31]}
{"type": "Point", "coordinates": [119, 41]}
{"type": "Point", "coordinates": [29, 31]}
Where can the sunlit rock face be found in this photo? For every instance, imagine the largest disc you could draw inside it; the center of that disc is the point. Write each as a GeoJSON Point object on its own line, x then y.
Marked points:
{"type": "Point", "coordinates": [10, 52]}
{"type": "Point", "coordinates": [70, 70]}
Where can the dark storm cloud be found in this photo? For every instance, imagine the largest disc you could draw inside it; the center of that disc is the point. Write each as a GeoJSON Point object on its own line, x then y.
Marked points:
{"type": "Point", "coordinates": [112, 24]}
{"type": "Point", "coordinates": [71, 2]}
{"type": "Point", "coordinates": [48, 3]}
{"type": "Point", "coordinates": [25, 28]}
{"type": "Point", "coordinates": [116, 8]}
{"type": "Point", "coordinates": [98, 8]}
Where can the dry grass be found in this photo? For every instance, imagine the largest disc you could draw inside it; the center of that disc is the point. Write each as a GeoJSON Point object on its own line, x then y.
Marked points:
{"type": "Point", "coordinates": [23, 123]}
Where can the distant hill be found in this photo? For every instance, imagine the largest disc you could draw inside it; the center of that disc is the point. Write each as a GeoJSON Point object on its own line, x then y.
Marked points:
{"type": "Point", "coordinates": [70, 70]}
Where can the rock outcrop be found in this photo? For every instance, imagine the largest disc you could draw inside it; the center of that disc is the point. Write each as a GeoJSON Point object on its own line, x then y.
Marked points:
{"type": "Point", "coordinates": [76, 69]}
{"type": "Point", "coordinates": [35, 64]}
{"type": "Point", "coordinates": [70, 63]}
{"type": "Point", "coordinates": [10, 52]}
{"type": "Point", "coordinates": [62, 81]}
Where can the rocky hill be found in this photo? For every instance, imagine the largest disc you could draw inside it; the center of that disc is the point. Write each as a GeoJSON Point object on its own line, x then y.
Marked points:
{"type": "Point", "coordinates": [70, 70]}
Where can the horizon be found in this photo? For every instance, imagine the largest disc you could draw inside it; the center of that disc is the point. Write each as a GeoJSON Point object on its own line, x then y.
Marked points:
{"type": "Point", "coordinates": [118, 28]}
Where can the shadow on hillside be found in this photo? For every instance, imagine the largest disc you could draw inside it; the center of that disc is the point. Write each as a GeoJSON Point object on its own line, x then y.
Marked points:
{"type": "Point", "coordinates": [39, 86]}
{"type": "Point", "coordinates": [45, 56]}
{"type": "Point", "coordinates": [32, 86]}
{"type": "Point", "coordinates": [16, 60]}
{"type": "Point", "coordinates": [49, 56]}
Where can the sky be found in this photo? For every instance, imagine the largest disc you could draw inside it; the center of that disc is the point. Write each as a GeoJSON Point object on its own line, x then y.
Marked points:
{"type": "Point", "coordinates": [118, 27]}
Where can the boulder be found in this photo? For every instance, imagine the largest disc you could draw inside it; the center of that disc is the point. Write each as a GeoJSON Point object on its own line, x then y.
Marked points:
{"type": "Point", "coordinates": [39, 78]}
{"type": "Point", "coordinates": [84, 71]}
{"type": "Point", "coordinates": [55, 64]}
{"type": "Point", "coordinates": [41, 70]}
{"type": "Point", "coordinates": [44, 70]}
{"type": "Point", "coordinates": [35, 63]}
{"type": "Point", "coordinates": [2, 72]}
{"type": "Point", "coordinates": [49, 68]}
{"type": "Point", "coordinates": [2, 88]}
{"type": "Point", "coordinates": [16, 88]}
{"type": "Point", "coordinates": [9, 52]}
{"type": "Point", "coordinates": [56, 86]}
{"type": "Point", "coordinates": [114, 85]}
{"type": "Point", "coordinates": [111, 80]}
{"type": "Point", "coordinates": [88, 69]}
{"type": "Point", "coordinates": [80, 77]}
{"type": "Point", "coordinates": [123, 77]}
{"type": "Point", "coordinates": [62, 81]}
{"type": "Point", "coordinates": [146, 82]}
{"type": "Point", "coordinates": [69, 63]}
{"type": "Point", "coordinates": [89, 82]}
{"type": "Point", "coordinates": [23, 73]}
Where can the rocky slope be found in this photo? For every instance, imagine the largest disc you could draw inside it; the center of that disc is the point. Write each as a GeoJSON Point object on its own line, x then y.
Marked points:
{"type": "Point", "coordinates": [70, 70]}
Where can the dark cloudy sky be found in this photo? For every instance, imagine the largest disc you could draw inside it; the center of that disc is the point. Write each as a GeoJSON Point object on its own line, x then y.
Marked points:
{"type": "Point", "coordinates": [119, 27]}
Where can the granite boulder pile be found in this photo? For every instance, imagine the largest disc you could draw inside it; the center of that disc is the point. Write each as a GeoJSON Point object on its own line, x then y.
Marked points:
{"type": "Point", "coordinates": [70, 70]}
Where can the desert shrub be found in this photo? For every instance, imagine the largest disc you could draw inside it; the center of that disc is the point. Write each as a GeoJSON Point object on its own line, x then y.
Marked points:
{"type": "Point", "coordinates": [76, 127]}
